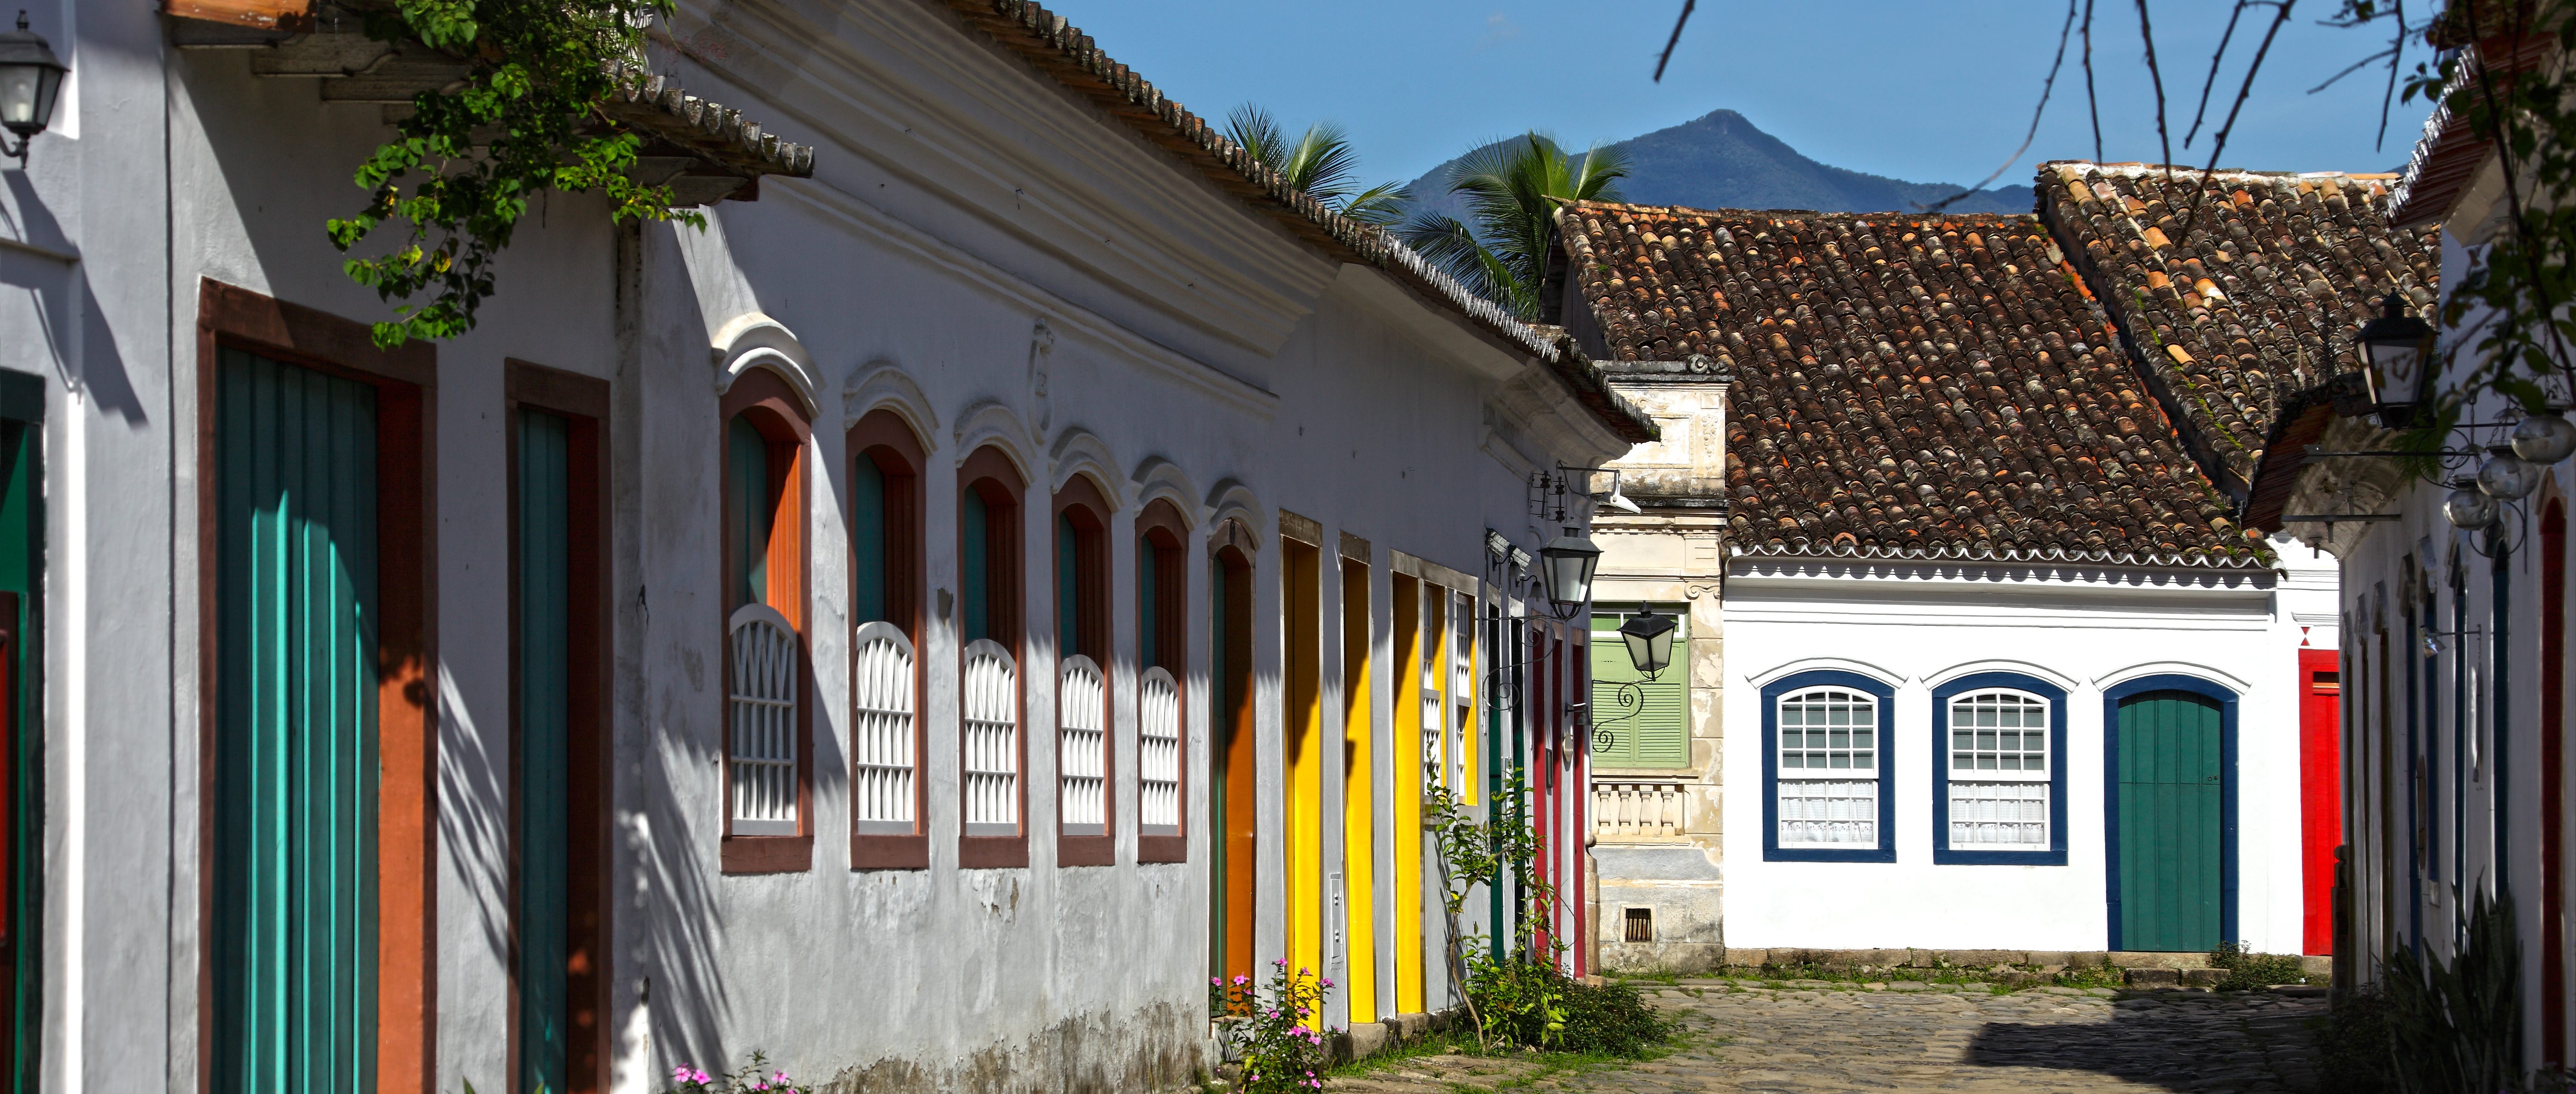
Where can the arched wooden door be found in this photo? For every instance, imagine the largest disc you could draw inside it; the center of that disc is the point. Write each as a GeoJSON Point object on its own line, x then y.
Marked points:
{"type": "Point", "coordinates": [2170, 801]}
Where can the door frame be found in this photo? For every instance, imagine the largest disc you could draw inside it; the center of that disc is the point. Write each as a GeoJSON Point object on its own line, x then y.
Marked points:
{"type": "Point", "coordinates": [405, 379]}
{"type": "Point", "coordinates": [22, 404]}
{"type": "Point", "coordinates": [2226, 699]}
{"type": "Point", "coordinates": [584, 401]}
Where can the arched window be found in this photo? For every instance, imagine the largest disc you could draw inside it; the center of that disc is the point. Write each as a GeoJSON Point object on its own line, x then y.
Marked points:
{"type": "Point", "coordinates": [992, 748]}
{"type": "Point", "coordinates": [1162, 635]}
{"type": "Point", "coordinates": [768, 760]}
{"type": "Point", "coordinates": [1083, 768]}
{"type": "Point", "coordinates": [1999, 770]}
{"type": "Point", "coordinates": [887, 780]}
{"type": "Point", "coordinates": [1827, 767]}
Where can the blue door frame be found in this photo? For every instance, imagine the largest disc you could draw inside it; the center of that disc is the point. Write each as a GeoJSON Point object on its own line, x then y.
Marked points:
{"type": "Point", "coordinates": [2227, 811]}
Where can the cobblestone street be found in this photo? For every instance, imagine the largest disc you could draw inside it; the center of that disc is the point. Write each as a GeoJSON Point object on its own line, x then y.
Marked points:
{"type": "Point", "coordinates": [1802, 1039]}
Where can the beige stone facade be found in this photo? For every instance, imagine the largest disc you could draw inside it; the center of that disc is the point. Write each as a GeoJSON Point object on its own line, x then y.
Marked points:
{"type": "Point", "coordinates": [1656, 829]}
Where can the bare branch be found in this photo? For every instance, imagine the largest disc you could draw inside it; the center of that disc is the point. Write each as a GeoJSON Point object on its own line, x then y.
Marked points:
{"type": "Point", "coordinates": [2092, 103]}
{"type": "Point", "coordinates": [2164, 140]}
{"type": "Point", "coordinates": [2218, 146]}
{"type": "Point", "coordinates": [2354, 67]}
{"type": "Point", "coordinates": [2212, 80]}
{"type": "Point", "coordinates": [2045, 88]}
{"type": "Point", "coordinates": [1675, 40]}
{"type": "Point", "coordinates": [2396, 54]}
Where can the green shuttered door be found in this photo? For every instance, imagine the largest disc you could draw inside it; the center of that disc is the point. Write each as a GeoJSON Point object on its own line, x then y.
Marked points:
{"type": "Point", "coordinates": [545, 754]}
{"type": "Point", "coordinates": [1658, 733]}
{"type": "Point", "coordinates": [294, 946]}
{"type": "Point", "coordinates": [2169, 822]}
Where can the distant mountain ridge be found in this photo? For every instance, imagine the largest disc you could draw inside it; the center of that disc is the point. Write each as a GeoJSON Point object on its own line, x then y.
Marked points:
{"type": "Point", "coordinates": [1722, 161]}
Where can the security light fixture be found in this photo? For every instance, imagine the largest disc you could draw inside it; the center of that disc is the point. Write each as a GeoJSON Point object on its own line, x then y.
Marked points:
{"type": "Point", "coordinates": [2469, 509]}
{"type": "Point", "coordinates": [1649, 638]}
{"type": "Point", "coordinates": [2544, 438]}
{"type": "Point", "coordinates": [2507, 477]}
{"type": "Point", "coordinates": [1496, 545]}
{"type": "Point", "coordinates": [1519, 559]}
{"type": "Point", "coordinates": [2394, 349]}
{"type": "Point", "coordinates": [1568, 562]}
{"type": "Point", "coordinates": [30, 76]}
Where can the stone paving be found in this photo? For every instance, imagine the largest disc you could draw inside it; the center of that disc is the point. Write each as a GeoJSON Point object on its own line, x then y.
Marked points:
{"type": "Point", "coordinates": [1912, 1037]}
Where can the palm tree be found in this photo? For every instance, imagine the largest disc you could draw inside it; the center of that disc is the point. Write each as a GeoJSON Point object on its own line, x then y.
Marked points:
{"type": "Point", "coordinates": [1513, 190]}
{"type": "Point", "coordinates": [1320, 161]}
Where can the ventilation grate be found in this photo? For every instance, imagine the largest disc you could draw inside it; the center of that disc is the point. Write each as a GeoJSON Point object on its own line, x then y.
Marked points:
{"type": "Point", "coordinates": [1641, 925]}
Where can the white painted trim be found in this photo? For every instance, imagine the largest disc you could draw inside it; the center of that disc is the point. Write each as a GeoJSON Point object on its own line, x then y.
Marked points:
{"type": "Point", "coordinates": [1890, 677]}
{"type": "Point", "coordinates": [882, 383]}
{"type": "Point", "coordinates": [2110, 680]}
{"type": "Point", "coordinates": [754, 340]}
{"type": "Point", "coordinates": [1157, 477]}
{"type": "Point", "coordinates": [1934, 680]}
{"type": "Point", "coordinates": [1079, 451]}
{"type": "Point", "coordinates": [1231, 498]}
{"type": "Point", "coordinates": [991, 422]}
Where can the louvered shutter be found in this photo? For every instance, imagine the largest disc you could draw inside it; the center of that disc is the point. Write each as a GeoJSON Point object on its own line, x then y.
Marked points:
{"type": "Point", "coordinates": [1655, 733]}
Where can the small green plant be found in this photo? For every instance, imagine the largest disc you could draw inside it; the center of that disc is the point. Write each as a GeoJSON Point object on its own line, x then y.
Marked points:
{"type": "Point", "coordinates": [689, 1080]}
{"type": "Point", "coordinates": [1279, 1031]}
{"type": "Point", "coordinates": [2251, 971]}
{"type": "Point", "coordinates": [2452, 1025]}
{"type": "Point", "coordinates": [2353, 1046]}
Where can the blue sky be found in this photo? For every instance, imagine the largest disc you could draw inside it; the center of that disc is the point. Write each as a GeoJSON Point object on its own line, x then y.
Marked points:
{"type": "Point", "coordinates": [1926, 90]}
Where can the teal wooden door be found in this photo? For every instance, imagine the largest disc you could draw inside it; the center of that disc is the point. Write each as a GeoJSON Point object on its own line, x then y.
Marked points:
{"type": "Point", "coordinates": [2170, 840]}
{"type": "Point", "coordinates": [545, 748]}
{"type": "Point", "coordinates": [295, 764]}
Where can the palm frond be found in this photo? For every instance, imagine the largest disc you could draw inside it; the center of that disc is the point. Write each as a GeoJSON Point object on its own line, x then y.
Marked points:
{"type": "Point", "coordinates": [1381, 205]}
{"type": "Point", "coordinates": [1257, 131]}
{"type": "Point", "coordinates": [1322, 162]}
{"type": "Point", "coordinates": [1513, 189]}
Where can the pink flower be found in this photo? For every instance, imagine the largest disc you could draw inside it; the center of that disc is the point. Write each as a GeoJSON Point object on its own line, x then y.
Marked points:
{"type": "Point", "coordinates": [680, 1074]}
{"type": "Point", "coordinates": [699, 1077]}
{"type": "Point", "coordinates": [1240, 980]}
{"type": "Point", "coordinates": [780, 1078]}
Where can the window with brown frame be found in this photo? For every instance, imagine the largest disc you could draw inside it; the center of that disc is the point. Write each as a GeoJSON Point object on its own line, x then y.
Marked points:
{"type": "Point", "coordinates": [1162, 635]}
{"type": "Point", "coordinates": [768, 725]}
{"type": "Point", "coordinates": [993, 750]}
{"type": "Point", "coordinates": [887, 740]}
{"type": "Point", "coordinates": [1084, 783]}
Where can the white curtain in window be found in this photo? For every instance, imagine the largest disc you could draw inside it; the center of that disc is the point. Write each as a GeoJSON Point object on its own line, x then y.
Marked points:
{"type": "Point", "coordinates": [1081, 748]}
{"type": "Point", "coordinates": [990, 698]}
{"type": "Point", "coordinates": [1828, 768]}
{"type": "Point", "coordinates": [762, 698]}
{"type": "Point", "coordinates": [1999, 771]}
{"type": "Point", "coordinates": [881, 730]}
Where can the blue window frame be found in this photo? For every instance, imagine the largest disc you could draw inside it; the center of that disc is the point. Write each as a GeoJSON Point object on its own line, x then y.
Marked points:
{"type": "Point", "coordinates": [1990, 723]}
{"type": "Point", "coordinates": [1840, 721]}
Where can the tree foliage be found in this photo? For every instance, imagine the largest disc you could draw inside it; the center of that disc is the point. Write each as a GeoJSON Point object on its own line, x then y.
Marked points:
{"type": "Point", "coordinates": [1513, 190]}
{"type": "Point", "coordinates": [1321, 161]}
{"type": "Point", "coordinates": [462, 168]}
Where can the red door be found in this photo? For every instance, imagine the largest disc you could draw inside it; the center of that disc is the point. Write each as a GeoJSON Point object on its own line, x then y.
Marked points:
{"type": "Point", "coordinates": [2320, 794]}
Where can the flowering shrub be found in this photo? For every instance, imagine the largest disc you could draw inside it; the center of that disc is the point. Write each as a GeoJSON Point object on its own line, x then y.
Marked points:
{"type": "Point", "coordinates": [689, 1080]}
{"type": "Point", "coordinates": [1280, 1035]}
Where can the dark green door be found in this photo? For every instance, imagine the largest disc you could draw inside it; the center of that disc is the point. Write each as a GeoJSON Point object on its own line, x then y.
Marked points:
{"type": "Point", "coordinates": [294, 843]}
{"type": "Point", "coordinates": [545, 747]}
{"type": "Point", "coordinates": [2170, 796]}
{"type": "Point", "coordinates": [21, 754]}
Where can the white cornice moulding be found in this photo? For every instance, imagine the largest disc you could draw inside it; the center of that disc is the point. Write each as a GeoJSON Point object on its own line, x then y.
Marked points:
{"type": "Point", "coordinates": [908, 92]}
{"type": "Point", "coordinates": [753, 340]}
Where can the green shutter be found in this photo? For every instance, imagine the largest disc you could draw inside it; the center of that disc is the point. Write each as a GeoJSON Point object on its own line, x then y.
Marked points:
{"type": "Point", "coordinates": [867, 541]}
{"type": "Point", "coordinates": [1146, 654]}
{"type": "Point", "coordinates": [1656, 733]}
{"type": "Point", "coordinates": [2169, 822]}
{"type": "Point", "coordinates": [747, 510]}
{"type": "Point", "coordinates": [1068, 587]}
{"type": "Point", "coordinates": [294, 935]}
{"type": "Point", "coordinates": [545, 750]}
{"type": "Point", "coordinates": [974, 522]}
{"type": "Point", "coordinates": [21, 544]}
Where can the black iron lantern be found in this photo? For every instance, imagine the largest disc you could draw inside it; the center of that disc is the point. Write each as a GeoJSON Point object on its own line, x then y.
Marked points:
{"type": "Point", "coordinates": [30, 77]}
{"type": "Point", "coordinates": [1649, 638]}
{"type": "Point", "coordinates": [2395, 350]}
{"type": "Point", "coordinates": [1566, 564]}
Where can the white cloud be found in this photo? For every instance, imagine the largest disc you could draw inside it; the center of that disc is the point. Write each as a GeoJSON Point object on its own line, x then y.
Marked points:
{"type": "Point", "coordinates": [1499, 29]}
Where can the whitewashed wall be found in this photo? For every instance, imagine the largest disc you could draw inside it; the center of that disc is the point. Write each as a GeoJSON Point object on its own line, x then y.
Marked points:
{"type": "Point", "coordinates": [2085, 629]}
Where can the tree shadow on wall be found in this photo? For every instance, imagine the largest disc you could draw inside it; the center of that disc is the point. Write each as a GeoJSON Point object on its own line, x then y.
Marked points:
{"type": "Point", "coordinates": [2173, 1040]}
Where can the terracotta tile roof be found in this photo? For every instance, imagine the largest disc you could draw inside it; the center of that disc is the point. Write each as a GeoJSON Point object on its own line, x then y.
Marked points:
{"type": "Point", "coordinates": [1905, 386]}
{"type": "Point", "coordinates": [1072, 58]}
{"type": "Point", "coordinates": [2261, 301]}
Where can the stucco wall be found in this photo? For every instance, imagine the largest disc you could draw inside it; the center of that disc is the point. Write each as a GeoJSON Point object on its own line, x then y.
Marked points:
{"type": "Point", "coordinates": [1913, 627]}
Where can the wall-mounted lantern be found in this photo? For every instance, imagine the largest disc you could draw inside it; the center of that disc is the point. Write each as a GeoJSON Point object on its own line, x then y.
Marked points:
{"type": "Point", "coordinates": [2544, 438]}
{"type": "Point", "coordinates": [1566, 565]}
{"type": "Point", "coordinates": [2394, 350]}
{"type": "Point", "coordinates": [30, 77]}
{"type": "Point", "coordinates": [1649, 638]}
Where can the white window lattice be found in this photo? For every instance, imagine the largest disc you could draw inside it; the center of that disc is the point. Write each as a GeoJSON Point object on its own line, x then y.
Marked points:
{"type": "Point", "coordinates": [1828, 787]}
{"type": "Point", "coordinates": [990, 699]}
{"type": "Point", "coordinates": [882, 794]}
{"type": "Point", "coordinates": [1158, 753]}
{"type": "Point", "coordinates": [1434, 724]}
{"type": "Point", "coordinates": [1999, 771]}
{"type": "Point", "coordinates": [763, 701]}
{"type": "Point", "coordinates": [1999, 816]}
{"type": "Point", "coordinates": [1081, 748]}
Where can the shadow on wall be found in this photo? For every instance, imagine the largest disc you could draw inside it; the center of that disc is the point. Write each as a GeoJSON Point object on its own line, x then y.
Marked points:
{"type": "Point", "coordinates": [2164, 1041]}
